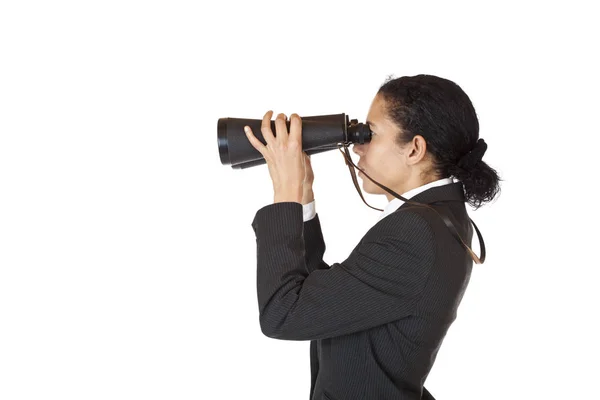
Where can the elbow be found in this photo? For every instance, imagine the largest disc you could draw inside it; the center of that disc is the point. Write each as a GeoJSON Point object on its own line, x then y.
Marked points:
{"type": "Point", "coordinates": [274, 328]}
{"type": "Point", "coordinates": [270, 329]}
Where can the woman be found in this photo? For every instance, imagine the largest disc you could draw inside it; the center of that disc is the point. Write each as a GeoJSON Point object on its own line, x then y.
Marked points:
{"type": "Point", "coordinates": [377, 319]}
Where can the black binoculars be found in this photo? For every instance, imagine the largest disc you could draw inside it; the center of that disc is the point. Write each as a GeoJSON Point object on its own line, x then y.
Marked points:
{"type": "Point", "coordinates": [319, 133]}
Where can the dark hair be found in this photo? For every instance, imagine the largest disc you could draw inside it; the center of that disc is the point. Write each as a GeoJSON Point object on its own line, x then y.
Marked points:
{"type": "Point", "coordinates": [442, 113]}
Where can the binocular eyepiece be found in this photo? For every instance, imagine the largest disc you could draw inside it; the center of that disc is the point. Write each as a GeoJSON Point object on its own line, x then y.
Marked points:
{"type": "Point", "coordinates": [319, 133]}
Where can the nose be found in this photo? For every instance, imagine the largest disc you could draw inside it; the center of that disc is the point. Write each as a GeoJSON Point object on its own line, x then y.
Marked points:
{"type": "Point", "coordinates": [358, 149]}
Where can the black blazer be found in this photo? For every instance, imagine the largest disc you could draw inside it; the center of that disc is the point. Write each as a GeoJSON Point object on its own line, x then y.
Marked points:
{"type": "Point", "coordinates": [377, 319]}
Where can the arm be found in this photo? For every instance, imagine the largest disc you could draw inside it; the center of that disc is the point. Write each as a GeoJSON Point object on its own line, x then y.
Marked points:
{"type": "Point", "coordinates": [314, 245]}
{"type": "Point", "coordinates": [379, 282]}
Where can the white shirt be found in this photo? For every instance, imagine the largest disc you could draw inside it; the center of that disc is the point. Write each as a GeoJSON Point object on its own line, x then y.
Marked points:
{"type": "Point", "coordinates": [309, 210]}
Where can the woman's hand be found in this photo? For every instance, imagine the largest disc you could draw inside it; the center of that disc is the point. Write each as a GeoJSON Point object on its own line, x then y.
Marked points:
{"type": "Point", "coordinates": [284, 156]}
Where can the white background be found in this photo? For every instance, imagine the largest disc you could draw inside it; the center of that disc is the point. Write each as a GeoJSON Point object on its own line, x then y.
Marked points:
{"type": "Point", "coordinates": [127, 258]}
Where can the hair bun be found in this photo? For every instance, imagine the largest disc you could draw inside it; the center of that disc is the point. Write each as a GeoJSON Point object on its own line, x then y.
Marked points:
{"type": "Point", "coordinates": [474, 156]}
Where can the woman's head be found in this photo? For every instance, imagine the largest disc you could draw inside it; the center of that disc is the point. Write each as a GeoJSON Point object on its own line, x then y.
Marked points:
{"type": "Point", "coordinates": [424, 129]}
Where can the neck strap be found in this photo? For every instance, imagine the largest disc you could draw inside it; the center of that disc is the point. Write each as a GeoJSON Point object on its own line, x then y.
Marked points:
{"type": "Point", "coordinates": [449, 224]}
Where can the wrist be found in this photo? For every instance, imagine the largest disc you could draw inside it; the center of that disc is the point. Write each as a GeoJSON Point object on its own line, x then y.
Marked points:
{"type": "Point", "coordinates": [288, 195]}
{"type": "Point", "coordinates": [308, 195]}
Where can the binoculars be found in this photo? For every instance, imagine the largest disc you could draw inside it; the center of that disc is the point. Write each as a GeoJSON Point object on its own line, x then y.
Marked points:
{"type": "Point", "coordinates": [320, 133]}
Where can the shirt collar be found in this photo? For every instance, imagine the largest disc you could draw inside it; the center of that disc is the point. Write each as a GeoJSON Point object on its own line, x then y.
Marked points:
{"type": "Point", "coordinates": [396, 202]}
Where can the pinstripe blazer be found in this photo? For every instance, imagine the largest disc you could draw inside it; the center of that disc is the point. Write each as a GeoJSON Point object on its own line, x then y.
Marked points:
{"type": "Point", "coordinates": [376, 320]}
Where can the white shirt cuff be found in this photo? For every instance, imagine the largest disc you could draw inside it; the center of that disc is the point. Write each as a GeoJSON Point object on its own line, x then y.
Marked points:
{"type": "Point", "coordinates": [309, 211]}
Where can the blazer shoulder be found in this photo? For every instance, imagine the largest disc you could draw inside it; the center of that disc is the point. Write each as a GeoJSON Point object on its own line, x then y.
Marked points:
{"type": "Point", "coordinates": [404, 223]}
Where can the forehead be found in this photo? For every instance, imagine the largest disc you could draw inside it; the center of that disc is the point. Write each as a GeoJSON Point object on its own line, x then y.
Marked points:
{"type": "Point", "coordinates": [377, 116]}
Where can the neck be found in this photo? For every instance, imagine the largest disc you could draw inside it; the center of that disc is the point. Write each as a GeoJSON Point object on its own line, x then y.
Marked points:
{"type": "Point", "coordinates": [409, 185]}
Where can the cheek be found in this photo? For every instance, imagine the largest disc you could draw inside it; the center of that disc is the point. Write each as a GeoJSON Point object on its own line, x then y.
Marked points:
{"type": "Point", "coordinates": [383, 161]}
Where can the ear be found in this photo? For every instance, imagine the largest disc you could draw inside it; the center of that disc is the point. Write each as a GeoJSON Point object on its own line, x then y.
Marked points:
{"type": "Point", "coordinates": [417, 149]}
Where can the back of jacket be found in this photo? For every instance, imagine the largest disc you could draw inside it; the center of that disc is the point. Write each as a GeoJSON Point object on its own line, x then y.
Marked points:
{"type": "Point", "coordinates": [392, 361]}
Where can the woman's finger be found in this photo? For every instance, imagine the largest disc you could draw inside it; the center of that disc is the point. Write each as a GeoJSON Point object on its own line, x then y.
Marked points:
{"type": "Point", "coordinates": [257, 144]}
{"type": "Point", "coordinates": [295, 128]}
{"type": "Point", "coordinates": [281, 129]}
{"type": "Point", "coordinates": [265, 128]}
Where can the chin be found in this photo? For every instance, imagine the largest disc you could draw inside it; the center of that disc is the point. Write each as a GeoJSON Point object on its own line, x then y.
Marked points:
{"type": "Point", "coordinates": [371, 188]}
{"type": "Point", "coordinates": [367, 187]}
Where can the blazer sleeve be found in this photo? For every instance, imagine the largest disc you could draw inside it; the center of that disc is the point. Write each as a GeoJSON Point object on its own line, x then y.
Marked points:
{"type": "Point", "coordinates": [314, 245]}
{"type": "Point", "coordinates": [381, 281]}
